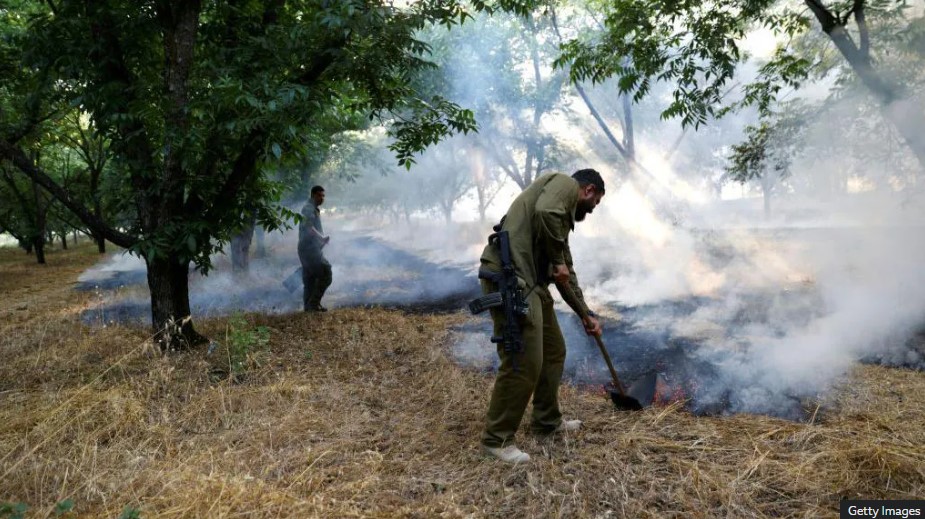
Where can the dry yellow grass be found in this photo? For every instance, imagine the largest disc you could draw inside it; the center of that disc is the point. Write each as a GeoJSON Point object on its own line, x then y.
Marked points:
{"type": "Point", "coordinates": [360, 413]}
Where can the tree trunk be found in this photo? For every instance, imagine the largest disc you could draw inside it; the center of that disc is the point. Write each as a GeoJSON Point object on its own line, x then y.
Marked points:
{"type": "Point", "coordinates": [98, 212]}
{"type": "Point", "coordinates": [64, 240]}
{"type": "Point", "coordinates": [240, 249]}
{"type": "Point", "coordinates": [907, 119]}
{"type": "Point", "coordinates": [629, 136]}
{"type": "Point", "coordinates": [38, 243]}
{"type": "Point", "coordinates": [483, 206]}
{"type": "Point", "coordinates": [168, 281]}
{"type": "Point", "coordinates": [40, 223]}
{"type": "Point", "coordinates": [260, 249]}
{"type": "Point", "coordinates": [767, 187]}
{"type": "Point", "coordinates": [27, 246]}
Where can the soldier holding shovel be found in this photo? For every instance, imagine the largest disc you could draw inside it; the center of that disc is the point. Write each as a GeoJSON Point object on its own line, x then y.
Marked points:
{"type": "Point", "coordinates": [528, 252]}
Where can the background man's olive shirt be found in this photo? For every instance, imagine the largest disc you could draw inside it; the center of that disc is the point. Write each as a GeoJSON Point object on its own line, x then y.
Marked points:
{"type": "Point", "coordinates": [311, 218]}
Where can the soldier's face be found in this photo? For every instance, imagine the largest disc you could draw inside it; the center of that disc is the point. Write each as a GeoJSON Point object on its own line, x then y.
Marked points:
{"type": "Point", "coordinates": [318, 198]}
{"type": "Point", "coordinates": [587, 201]}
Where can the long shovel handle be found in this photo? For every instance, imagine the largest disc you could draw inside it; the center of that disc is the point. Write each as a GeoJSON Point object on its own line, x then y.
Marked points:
{"type": "Point", "coordinates": [565, 288]}
{"type": "Point", "coordinates": [613, 372]}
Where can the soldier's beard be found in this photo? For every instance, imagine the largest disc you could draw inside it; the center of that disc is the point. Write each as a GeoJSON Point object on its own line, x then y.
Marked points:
{"type": "Point", "coordinates": [582, 211]}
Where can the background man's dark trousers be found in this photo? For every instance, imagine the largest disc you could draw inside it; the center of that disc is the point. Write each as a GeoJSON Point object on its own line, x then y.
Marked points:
{"type": "Point", "coordinates": [316, 278]}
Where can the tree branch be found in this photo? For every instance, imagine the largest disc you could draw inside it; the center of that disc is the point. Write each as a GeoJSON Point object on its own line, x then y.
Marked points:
{"type": "Point", "coordinates": [600, 121]}
{"type": "Point", "coordinates": [23, 201]}
{"type": "Point", "coordinates": [179, 27]}
{"type": "Point", "coordinates": [506, 163]}
{"type": "Point", "coordinates": [885, 91]}
{"type": "Point", "coordinates": [826, 18]}
{"type": "Point", "coordinates": [24, 164]}
{"type": "Point", "coordinates": [584, 97]}
{"type": "Point", "coordinates": [861, 20]}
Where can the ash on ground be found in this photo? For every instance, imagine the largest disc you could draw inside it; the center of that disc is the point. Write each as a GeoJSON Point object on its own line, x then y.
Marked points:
{"type": "Point", "coordinates": [367, 272]}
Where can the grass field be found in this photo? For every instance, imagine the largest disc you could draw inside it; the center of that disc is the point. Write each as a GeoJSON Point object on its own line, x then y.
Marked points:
{"type": "Point", "coordinates": [361, 413]}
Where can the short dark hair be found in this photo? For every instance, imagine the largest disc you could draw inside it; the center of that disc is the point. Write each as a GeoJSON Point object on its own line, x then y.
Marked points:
{"type": "Point", "coordinates": [317, 189]}
{"type": "Point", "coordinates": [589, 176]}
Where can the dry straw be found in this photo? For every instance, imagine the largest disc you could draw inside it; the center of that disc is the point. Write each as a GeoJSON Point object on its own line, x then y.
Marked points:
{"type": "Point", "coordinates": [360, 413]}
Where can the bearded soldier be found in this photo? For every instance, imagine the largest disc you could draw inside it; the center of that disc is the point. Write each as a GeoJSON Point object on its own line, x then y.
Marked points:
{"type": "Point", "coordinates": [537, 226]}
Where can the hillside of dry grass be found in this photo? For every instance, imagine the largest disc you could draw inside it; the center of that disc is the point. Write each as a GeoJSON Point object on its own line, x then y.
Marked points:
{"type": "Point", "coordinates": [361, 413]}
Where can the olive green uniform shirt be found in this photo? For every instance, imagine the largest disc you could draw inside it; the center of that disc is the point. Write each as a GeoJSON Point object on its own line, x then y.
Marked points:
{"type": "Point", "coordinates": [538, 223]}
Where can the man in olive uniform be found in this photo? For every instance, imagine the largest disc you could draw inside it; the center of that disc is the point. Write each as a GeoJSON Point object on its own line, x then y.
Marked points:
{"type": "Point", "coordinates": [316, 271]}
{"type": "Point", "coordinates": [538, 223]}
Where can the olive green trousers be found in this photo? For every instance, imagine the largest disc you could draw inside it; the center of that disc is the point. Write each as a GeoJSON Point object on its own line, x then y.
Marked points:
{"type": "Point", "coordinates": [538, 373]}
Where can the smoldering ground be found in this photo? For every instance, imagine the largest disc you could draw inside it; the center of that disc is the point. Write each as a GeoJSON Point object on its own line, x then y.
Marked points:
{"type": "Point", "coordinates": [739, 312]}
{"type": "Point", "coordinates": [745, 311]}
{"type": "Point", "coordinates": [366, 271]}
{"type": "Point", "coordinates": [750, 311]}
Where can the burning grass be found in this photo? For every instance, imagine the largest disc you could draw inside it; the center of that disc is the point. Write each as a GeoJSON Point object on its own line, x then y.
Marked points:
{"type": "Point", "coordinates": [361, 412]}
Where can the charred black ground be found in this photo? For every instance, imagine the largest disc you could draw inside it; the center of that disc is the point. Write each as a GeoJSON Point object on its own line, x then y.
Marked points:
{"type": "Point", "coordinates": [646, 339]}
{"type": "Point", "coordinates": [367, 272]}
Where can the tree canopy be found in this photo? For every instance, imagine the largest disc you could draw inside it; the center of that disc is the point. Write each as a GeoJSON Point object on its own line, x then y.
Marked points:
{"type": "Point", "coordinates": [197, 100]}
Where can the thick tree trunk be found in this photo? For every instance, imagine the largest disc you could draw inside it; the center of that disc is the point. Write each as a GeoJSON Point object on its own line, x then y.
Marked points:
{"type": "Point", "coordinates": [168, 281]}
{"type": "Point", "coordinates": [98, 212]}
{"type": "Point", "coordinates": [908, 121]}
{"type": "Point", "coordinates": [240, 249]}
{"type": "Point", "coordinates": [38, 243]}
{"type": "Point", "coordinates": [260, 249]}
{"type": "Point", "coordinates": [64, 240]}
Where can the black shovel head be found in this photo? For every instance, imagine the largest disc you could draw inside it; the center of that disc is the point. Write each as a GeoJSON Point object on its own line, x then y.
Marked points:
{"type": "Point", "coordinates": [639, 395]}
{"type": "Point", "coordinates": [624, 402]}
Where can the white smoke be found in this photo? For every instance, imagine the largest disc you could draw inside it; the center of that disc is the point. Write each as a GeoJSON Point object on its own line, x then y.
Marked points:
{"type": "Point", "coordinates": [784, 305]}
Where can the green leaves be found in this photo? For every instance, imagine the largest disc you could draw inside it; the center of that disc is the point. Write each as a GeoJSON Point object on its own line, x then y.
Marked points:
{"type": "Point", "coordinates": [13, 510]}
{"type": "Point", "coordinates": [130, 512]}
{"type": "Point", "coordinates": [247, 344]}
{"type": "Point", "coordinates": [428, 123]}
{"type": "Point", "coordinates": [691, 44]}
{"type": "Point", "coordinates": [63, 507]}
{"type": "Point", "coordinates": [770, 146]}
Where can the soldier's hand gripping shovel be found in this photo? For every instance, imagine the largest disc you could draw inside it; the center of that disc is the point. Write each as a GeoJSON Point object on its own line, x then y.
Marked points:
{"type": "Point", "coordinates": [641, 393]}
